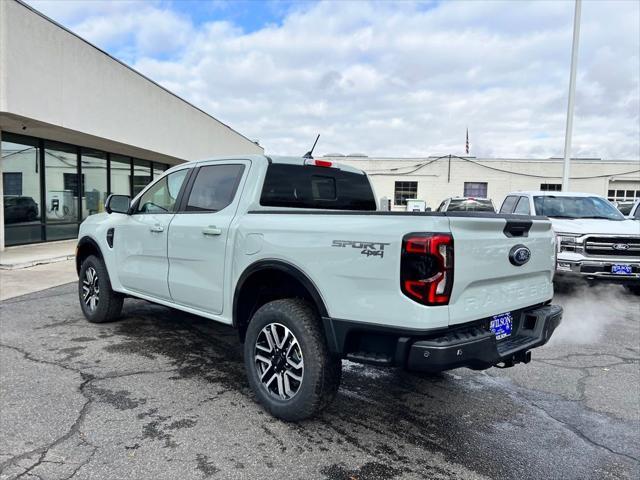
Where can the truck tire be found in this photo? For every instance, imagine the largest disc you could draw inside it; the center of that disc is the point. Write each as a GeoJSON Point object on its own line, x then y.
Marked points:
{"type": "Point", "coordinates": [287, 360]}
{"type": "Point", "coordinates": [98, 301]}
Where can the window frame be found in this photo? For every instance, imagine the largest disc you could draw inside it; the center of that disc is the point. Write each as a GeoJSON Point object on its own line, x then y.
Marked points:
{"type": "Point", "coordinates": [403, 202]}
{"type": "Point", "coordinates": [191, 180]}
{"type": "Point", "coordinates": [6, 176]}
{"type": "Point", "coordinates": [514, 204]}
{"type": "Point", "coordinates": [527, 201]}
{"type": "Point", "coordinates": [134, 205]}
{"type": "Point", "coordinates": [468, 195]}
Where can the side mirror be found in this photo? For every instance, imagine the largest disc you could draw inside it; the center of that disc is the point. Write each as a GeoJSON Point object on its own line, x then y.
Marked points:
{"type": "Point", "coordinates": [117, 204]}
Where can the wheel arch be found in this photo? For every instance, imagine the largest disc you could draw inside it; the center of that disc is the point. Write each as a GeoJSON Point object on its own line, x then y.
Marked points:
{"type": "Point", "coordinates": [284, 281]}
{"type": "Point", "coordinates": [86, 246]}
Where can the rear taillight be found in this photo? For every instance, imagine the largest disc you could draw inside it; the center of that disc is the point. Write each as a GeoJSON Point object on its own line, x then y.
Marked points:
{"type": "Point", "coordinates": [426, 267]}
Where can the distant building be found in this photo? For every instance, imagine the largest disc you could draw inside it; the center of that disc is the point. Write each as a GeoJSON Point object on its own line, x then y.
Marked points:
{"type": "Point", "coordinates": [76, 124]}
{"type": "Point", "coordinates": [433, 179]}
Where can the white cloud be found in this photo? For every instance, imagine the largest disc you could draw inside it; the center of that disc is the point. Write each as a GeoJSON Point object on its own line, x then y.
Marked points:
{"type": "Point", "coordinates": [395, 79]}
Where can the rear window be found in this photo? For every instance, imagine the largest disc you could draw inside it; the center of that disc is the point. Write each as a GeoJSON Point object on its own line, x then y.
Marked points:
{"type": "Point", "coordinates": [470, 206]}
{"type": "Point", "coordinates": [508, 204]}
{"type": "Point", "coordinates": [308, 186]}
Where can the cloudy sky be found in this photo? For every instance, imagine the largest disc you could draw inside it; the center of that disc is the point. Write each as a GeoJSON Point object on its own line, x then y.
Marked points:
{"type": "Point", "coordinates": [387, 78]}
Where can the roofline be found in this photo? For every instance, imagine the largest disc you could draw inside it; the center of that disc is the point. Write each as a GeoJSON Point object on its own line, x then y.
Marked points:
{"type": "Point", "coordinates": [37, 12]}
{"type": "Point", "coordinates": [477, 159]}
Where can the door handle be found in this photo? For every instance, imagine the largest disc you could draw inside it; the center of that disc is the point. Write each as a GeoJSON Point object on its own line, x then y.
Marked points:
{"type": "Point", "coordinates": [211, 230]}
{"type": "Point", "coordinates": [157, 228]}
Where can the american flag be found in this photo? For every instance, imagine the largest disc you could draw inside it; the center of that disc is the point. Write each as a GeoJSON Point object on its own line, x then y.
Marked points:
{"type": "Point", "coordinates": [467, 145]}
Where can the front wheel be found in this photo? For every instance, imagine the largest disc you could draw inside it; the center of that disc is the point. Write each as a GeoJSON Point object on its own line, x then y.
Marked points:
{"type": "Point", "coordinates": [98, 301]}
{"type": "Point", "coordinates": [288, 363]}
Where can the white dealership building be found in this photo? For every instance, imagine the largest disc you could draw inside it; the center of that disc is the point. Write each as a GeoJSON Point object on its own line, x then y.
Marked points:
{"type": "Point", "coordinates": [435, 178]}
{"type": "Point", "coordinates": [76, 124]}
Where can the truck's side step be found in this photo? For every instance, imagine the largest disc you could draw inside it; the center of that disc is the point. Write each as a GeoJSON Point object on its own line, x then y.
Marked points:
{"type": "Point", "coordinates": [372, 358]}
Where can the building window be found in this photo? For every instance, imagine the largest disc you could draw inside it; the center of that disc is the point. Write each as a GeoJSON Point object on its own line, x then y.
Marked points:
{"type": "Point", "coordinates": [21, 184]}
{"type": "Point", "coordinates": [70, 181]}
{"type": "Point", "coordinates": [94, 181]}
{"type": "Point", "coordinates": [405, 191]}
{"type": "Point", "coordinates": [475, 189]}
{"type": "Point", "coordinates": [551, 187]}
{"type": "Point", "coordinates": [120, 175]}
{"type": "Point", "coordinates": [623, 195]}
{"type": "Point", "coordinates": [61, 190]}
{"type": "Point", "coordinates": [142, 175]}
{"type": "Point", "coordinates": [12, 183]}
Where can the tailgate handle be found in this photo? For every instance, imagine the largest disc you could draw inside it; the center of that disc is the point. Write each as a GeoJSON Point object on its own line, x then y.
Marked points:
{"type": "Point", "coordinates": [517, 228]}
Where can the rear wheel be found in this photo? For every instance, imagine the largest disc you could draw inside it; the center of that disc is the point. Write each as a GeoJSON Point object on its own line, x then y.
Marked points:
{"type": "Point", "coordinates": [288, 364]}
{"type": "Point", "coordinates": [98, 301]}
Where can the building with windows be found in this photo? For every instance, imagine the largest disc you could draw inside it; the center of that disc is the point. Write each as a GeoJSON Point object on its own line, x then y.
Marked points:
{"type": "Point", "coordinates": [433, 179]}
{"type": "Point", "coordinates": [76, 125]}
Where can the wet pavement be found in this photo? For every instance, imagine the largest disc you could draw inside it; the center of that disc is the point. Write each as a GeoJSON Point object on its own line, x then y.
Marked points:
{"type": "Point", "coordinates": [162, 394]}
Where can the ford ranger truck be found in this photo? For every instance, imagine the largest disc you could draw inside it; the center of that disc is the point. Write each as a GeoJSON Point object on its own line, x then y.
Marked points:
{"type": "Point", "coordinates": [595, 241]}
{"type": "Point", "coordinates": [292, 253]}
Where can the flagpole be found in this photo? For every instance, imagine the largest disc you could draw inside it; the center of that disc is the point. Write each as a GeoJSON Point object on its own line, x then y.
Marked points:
{"type": "Point", "coordinates": [570, 104]}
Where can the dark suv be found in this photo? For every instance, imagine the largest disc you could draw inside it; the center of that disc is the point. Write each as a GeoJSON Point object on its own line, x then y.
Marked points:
{"type": "Point", "coordinates": [20, 209]}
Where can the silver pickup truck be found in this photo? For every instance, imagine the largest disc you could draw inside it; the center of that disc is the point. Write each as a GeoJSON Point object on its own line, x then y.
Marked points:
{"type": "Point", "coordinates": [293, 254]}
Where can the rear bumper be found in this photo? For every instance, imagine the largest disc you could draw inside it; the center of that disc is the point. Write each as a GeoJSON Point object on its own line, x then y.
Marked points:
{"type": "Point", "coordinates": [478, 348]}
{"type": "Point", "coordinates": [472, 345]}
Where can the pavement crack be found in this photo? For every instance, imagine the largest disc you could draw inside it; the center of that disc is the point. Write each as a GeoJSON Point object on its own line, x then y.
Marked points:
{"type": "Point", "coordinates": [42, 451]}
{"type": "Point", "coordinates": [584, 437]}
{"type": "Point", "coordinates": [564, 424]}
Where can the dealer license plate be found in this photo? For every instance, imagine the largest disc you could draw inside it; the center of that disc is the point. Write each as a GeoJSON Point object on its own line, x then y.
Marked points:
{"type": "Point", "coordinates": [501, 325]}
{"type": "Point", "coordinates": [621, 269]}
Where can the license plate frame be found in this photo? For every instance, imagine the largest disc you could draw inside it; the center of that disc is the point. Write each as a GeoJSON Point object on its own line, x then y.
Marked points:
{"type": "Point", "coordinates": [621, 269]}
{"type": "Point", "coordinates": [501, 325]}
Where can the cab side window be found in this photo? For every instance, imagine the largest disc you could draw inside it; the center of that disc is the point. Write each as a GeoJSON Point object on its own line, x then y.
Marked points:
{"type": "Point", "coordinates": [214, 187]}
{"type": "Point", "coordinates": [162, 196]}
{"type": "Point", "coordinates": [522, 208]}
{"type": "Point", "coordinates": [508, 204]}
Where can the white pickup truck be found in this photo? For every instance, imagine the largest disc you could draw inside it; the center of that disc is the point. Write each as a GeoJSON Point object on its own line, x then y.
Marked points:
{"type": "Point", "coordinates": [294, 255]}
{"type": "Point", "coordinates": [595, 241]}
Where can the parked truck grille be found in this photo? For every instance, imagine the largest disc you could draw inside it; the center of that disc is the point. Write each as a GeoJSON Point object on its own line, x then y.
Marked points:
{"type": "Point", "coordinates": [612, 246]}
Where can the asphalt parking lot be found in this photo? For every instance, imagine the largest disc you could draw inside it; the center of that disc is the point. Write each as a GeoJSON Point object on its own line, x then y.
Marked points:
{"type": "Point", "coordinates": [163, 395]}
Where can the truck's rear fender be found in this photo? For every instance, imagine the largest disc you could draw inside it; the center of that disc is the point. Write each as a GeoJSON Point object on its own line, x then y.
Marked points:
{"type": "Point", "coordinates": [353, 259]}
{"type": "Point", "coordinates": [267, 280]}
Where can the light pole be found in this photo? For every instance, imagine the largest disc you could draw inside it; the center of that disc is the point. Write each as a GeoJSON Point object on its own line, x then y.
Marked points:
{"type": "Point", "coordinates": [572, 94]}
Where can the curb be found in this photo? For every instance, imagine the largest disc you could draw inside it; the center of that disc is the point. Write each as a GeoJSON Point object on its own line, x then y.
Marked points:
{"type": "Point", "coordinates": [33, 263]}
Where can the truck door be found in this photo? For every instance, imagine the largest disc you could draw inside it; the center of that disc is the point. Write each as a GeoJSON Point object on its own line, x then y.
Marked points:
{"type": "Point", "coordinates": [199, 233]}
{"type": "Point", "coordinates": [140, 241]}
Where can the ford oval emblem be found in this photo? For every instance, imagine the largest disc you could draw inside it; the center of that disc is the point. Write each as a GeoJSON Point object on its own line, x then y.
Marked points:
{"type": "Point", "coordinates": [620, 246]}
{"type": "Point", "coordinates": [519, 255]}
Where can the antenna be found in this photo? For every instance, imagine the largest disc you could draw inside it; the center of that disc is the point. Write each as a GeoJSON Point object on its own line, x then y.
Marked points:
{"type": "Point", "coordinates": [309, 154]}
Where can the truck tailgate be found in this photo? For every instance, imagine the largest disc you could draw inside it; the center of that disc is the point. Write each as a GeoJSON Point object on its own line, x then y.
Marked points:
{"type": "Point", "coordinates": [486, 282]}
